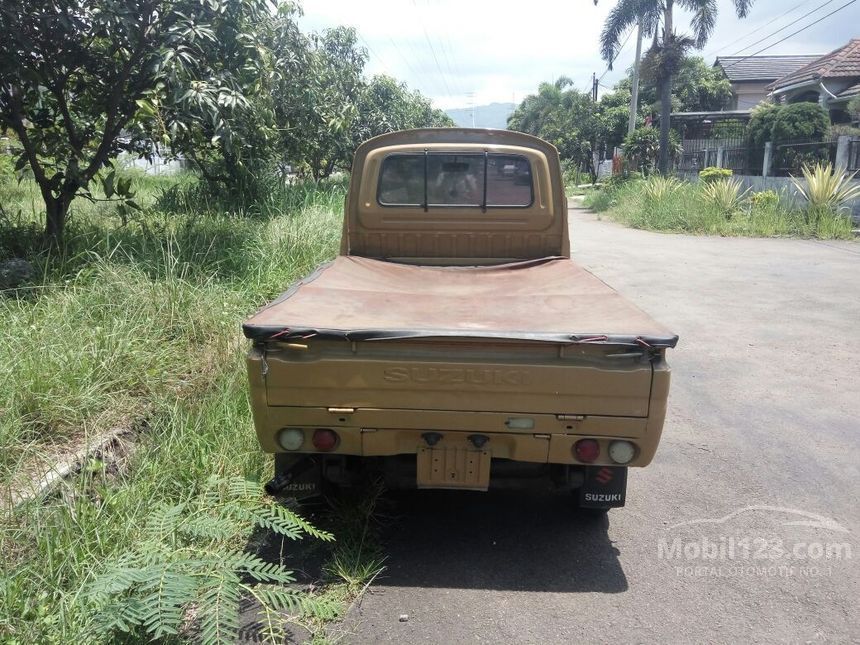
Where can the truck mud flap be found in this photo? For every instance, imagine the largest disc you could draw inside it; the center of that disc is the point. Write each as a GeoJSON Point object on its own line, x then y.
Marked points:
{"type": "Point", "coordinates": [604, 487]}
{"type": "Point", "coordinates": [296, 476]}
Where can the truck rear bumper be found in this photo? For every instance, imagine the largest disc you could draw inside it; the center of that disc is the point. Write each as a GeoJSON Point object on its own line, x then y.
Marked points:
{"type": "Point", "coordinates": [305, 476]}
{"type": "Point", "coordinates": [387, 433]}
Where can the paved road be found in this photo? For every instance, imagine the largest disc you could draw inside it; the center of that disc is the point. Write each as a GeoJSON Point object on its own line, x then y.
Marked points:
{"type": "Point", "coordinates": [764, 410]}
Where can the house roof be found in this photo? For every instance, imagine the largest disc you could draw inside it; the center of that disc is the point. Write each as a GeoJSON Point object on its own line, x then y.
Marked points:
{"type": "Point", "coordinates": [848, 92]}
{"type": "Point", "coordinates": [761, 68]}
{"type": "Point", "coordinates": [840, 63]}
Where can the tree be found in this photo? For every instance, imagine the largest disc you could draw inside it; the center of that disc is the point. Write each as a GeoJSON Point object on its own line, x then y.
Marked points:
{"type": "Point", "coordinates": [385, 105]}
{"type": "Point", "coordinates": [562, 115]}
{"type": "Point", "coordinates": [696, 88]}
{"type": "Point", "coordinates": [73, 74]}
{"type": "Point", "coordinates": [664, 59]}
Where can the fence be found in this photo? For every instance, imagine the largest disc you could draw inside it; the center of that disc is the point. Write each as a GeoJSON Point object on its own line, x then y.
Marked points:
{"type": "Point", "coordinates": [774, 159]}
{"type": "Point", "coordinates": [789, 157]}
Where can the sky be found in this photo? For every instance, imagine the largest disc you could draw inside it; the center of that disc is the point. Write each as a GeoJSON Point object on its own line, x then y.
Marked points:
{"type": "Point", "coordinates": [460, 52]}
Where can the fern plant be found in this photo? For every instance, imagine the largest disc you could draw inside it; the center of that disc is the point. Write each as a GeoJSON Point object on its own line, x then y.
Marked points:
{"type": "Point", "coordinates": [189, 568]}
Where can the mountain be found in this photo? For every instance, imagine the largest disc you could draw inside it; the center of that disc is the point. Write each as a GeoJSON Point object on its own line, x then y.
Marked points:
{"type": "Point", "coordinates": [494, 115]}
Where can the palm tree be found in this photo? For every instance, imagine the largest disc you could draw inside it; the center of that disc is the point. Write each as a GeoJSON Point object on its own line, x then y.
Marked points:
{"type": "Point", "coordinates": [668, 48]}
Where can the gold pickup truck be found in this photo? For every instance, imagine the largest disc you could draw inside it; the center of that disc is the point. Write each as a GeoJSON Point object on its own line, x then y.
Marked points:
{"type": "Point", "coordinates": [453, 343]}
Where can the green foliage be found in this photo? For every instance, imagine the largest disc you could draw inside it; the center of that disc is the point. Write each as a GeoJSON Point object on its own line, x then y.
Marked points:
{"type": "Point", "coordinates": [642, 147]}
{"type": "Point", "coordinates": [760, 128]}
{"type": "Point", "coordinates": [728, 129]}
{"type": "Point", "coordinates": [800, 121]}
{"type": "Point", "coordinates": [765, 199]}
{"type": "Point", "coordinates": [826, 190]}
{"type": "Point", "coordinates": [184, 557]}
{"type": "Point", "coordinates": [684, 208]}
{"type": "Point", "coordinates": [74, 75]}
{"type": "Point", "coordinates": [712, 174]}
{"type": "Point", "coordinates": [658, 189]}
{"type": "Point", "coordinates": [135, 327]}
{"type": "Point", "coordinates": [562, 115]}
{"type": "Point", "coordinates": [600, 200]}
{"type": "Point", "coordinates": [726, 195]}
{"type": "Point", "coordinates": [665, 59]}
{"type": "Point", "coordinates": [232, 86]}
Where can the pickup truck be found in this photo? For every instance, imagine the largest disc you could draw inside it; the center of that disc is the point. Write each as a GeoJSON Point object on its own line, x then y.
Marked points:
{"type": "Point", "coordinates": [453, 343]}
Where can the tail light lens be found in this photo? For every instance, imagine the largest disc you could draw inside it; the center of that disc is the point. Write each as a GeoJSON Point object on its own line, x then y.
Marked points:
{"type": "Point", "coordinates": [324, 439]}
{"type": "Point", "coordinates": [586, 450]}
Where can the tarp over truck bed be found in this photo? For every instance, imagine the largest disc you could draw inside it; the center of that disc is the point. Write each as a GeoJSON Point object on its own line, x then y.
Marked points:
{"type": "Point", "coordinates": [549, 300]}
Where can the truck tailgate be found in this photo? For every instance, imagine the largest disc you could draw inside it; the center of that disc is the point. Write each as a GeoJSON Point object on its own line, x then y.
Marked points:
{"type": "Point", "coordinates": [444, 375]}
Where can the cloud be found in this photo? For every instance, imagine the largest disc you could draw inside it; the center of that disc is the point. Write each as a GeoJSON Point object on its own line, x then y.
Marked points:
{"type": "Point", "coordinates": [456, 51]}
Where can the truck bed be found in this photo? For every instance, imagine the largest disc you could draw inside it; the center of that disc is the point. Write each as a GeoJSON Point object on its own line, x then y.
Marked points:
{"type": "Point", "coordinates": [550, 300]}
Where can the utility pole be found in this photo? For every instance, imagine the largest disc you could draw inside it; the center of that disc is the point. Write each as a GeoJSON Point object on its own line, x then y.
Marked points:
{"type": "Point", "coordinates": [634, 89]}
{"type": "Point", "coordinates": [594, 86]}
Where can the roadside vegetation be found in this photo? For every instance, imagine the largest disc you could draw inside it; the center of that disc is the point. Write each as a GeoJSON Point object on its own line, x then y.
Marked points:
{"type": "Point", "coordinates": [135, 326]}
{"type": "Point", "coordinates": [719, 205]}
{"type": "Point", "coordinates": [121, 298]}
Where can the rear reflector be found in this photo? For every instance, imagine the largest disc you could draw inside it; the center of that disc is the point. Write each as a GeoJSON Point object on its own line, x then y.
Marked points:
{"type": "Point", "coordinates": [622, 452]}
{"type": "Point", "coordinates": [325, 439]}
{"type": "Point", "coordinates": [586, 450]}
{"type": "Point", "coordinates": [291, 438]}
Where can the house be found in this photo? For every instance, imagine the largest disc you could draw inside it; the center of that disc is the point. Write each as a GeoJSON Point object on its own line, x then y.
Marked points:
{"type": "Point", "coordinates": [831, 80]}
{"type": "Point", "coordinates": [750, 76]}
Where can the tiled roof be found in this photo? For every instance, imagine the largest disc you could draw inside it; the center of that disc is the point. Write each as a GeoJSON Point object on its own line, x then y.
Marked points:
{"type": "Point", "coordinates": [840, 63]}
{"type": "Point", "coordinates": [761, 68]}
{"type": "Point", "coordinates": [854, 90]}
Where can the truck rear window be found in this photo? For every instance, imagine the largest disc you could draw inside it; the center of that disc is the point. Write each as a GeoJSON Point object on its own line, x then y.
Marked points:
{"type": "Point", "coordinates": [482, 180]}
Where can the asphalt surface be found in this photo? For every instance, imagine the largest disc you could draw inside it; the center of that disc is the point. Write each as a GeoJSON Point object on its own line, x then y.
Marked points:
{"type": "Point", "coordinates": [764, 412]}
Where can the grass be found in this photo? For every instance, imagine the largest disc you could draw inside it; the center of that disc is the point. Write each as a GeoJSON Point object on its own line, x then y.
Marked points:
{"type": "Point", "coordinates": [683, 207]}
{"type": "Point", "coordinates": [136, 325]}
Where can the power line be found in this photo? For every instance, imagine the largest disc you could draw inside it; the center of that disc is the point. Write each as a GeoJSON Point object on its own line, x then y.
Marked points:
{"type": "Point", "coordinates": [783, 28]}
{"type": "Point", "coordinates": [756, 30]}
{"type": "Point", "coordinates": [617, 54]}
{"type": "Point", "coordinates": [433, 52]}
{"type": "Point", "coordinates": [812, 24]}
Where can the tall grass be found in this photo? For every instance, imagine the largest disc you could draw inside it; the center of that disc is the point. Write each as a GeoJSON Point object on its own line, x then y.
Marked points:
{"type": "Point", "coordinates": [722, 209]}
{"type": "Point", "coordinates": [132, 325]}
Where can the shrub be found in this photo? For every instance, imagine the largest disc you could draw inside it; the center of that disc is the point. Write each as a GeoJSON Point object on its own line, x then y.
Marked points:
{"type": "Point", "coordinates": [622, 178]}
{"type": "Point", "coordinates": [765, 199]}
{"type": "Point", "coordinates": [712, 173]}
{"type": "Point", "coordinates": [827, 190]}
{"type": "Point", "coordinates": [800, 121]}
{"type": "Point", "coordinates": [760, 129]}
{"type": "Point", "coordinates": [659, 188]}
{"type": "Point", "coordinates": [725, 194]}
{"type": "Point", "coordinates": [642, 147]}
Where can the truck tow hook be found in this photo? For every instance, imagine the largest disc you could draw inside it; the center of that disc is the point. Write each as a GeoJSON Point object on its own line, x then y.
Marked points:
{"type": "Point", "coordinates": [478, 440]}
{"type": "Point", "coordinates": [432, 438]}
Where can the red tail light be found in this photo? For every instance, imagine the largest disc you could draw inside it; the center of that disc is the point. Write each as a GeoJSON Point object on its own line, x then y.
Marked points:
{"type": "Point", "coordinates": [586, 450]}
{"type": "Point", "coordinates": [324, 439]}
